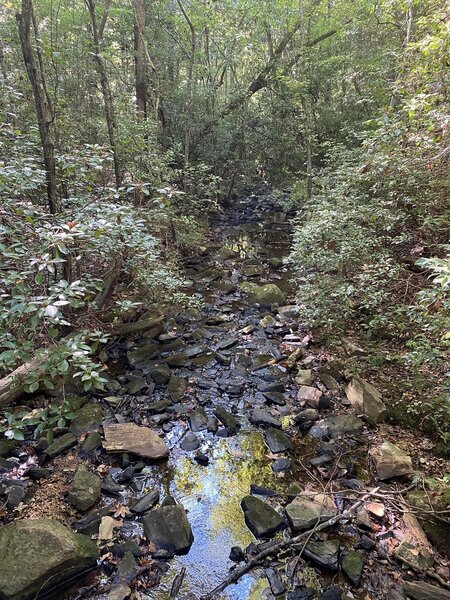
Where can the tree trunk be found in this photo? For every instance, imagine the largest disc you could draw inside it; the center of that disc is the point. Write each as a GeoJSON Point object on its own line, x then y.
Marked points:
{"type": "Point", "coordinates": [139, 60]}
{"type": "Point", "coordinates": [43, 112]}
{"type": "Point", "coordinates": [106, 89]}
{"type": "Point", "coordinates": [190, 94]}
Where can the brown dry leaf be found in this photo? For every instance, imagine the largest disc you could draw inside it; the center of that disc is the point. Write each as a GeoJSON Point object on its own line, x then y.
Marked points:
{"type": "Point", "coordinates": [121, 512]}
{"type": "Point", "coordinates": [103, 469]}
{"type": "Point", "coordinates": [376, 509]}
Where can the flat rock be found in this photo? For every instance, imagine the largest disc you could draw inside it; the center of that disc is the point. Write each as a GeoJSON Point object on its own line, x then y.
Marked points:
{"type": "Point", "coordinates": [304, 512]}
{"type": "Point", "coordinates": [337, 426]}
{"type": "Point", "coordinates": [88, 418]}
{"type": "Point", "coordinates": [310, 396]}
{"type": "Point", "coordinates": [261, 518]}
{"type": "Point", "coordinates": [275, 398]}
{"type": "Point", "coordinates": [258, 416]}
{"type": "Point", "coordinates": [37, 554]}
{"type": "Point", "coordinates": [141, 356]}
{"type": "Point", "coordinates": [304, 377]}
{"type": "Point", "coordinates": [146, 502]}
{"type": "Point", "coordinates": [61, 444]}
{"type": "Point", "coordinates": [390, 461]}
{"type": "Point", "coordinates": [419, 590]}
{"type": "Point", "coordinates": [352, 564]}
{"type": "Point", "coordinates": [190, 442]}
{"type": "Point", "coordinates": [226, 418]}
{"type": "Point", "coordinates": [269, 294]}
{"type": "Point", "coordinates": [129, 437]}
{"type": "Point", "coordinates": [277, 441]}
{"type": "Point", "coordinates": [160, 374]}
{"type": "Point", "coordinates": [198, 420]}
{"type": "Point", "coordinates": [85, 489]}
{"type": "Point", "coordinates": [168, 528]}
{"type": "Point", "coordinates": [281, 465]}
{"type": "Point", "coordinates": [325, 554]}
{"type": "Point", "coordinates": [366, 399]}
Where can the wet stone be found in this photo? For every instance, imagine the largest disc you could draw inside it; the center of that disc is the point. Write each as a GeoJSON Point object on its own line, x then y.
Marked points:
{"type": "Point", "coordinates": [236, 554]}
{"type": "Point", "coordinates": [146, 502]}
{"type": "Point", "coordinates": [281, 465]}
{"type": "Point", "coordinates": [110, 487]}
{"type": "Point", "coordinates": [277, 441]}
{"type": "Point", "coordinates": [261, 519]}
{"type": "Point", "coordinates": [259, 416]}
{"type": "Point", "coordinates": [168, 528]}
{"type": "Point", "coordinates": [190, 442]}
{"type": "Point", "coordinates": [198, 420]}
{"type": "Point", "coordinates": [276, 585]}
{"type": "Point", "coordinates": [201, 459]}
{"type": "Point", "coordinates": [177, 387]}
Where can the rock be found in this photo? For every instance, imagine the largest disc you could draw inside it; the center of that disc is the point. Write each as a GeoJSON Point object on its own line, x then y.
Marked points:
{"type": "Point", "coordinates": [310, 396]}
{"type": "Point", "coordinates": [85, 489]}
{"type": "Point", "coordinates": [226, 418]}
{"type": "Point", "coordinates": [352, 348]}
{"type": "Point", "coordinates": [419, 590]}
{"type": "Point", "coordinates": [88, 418]}
{"type": "Point", "coordinates": [338, 426]}
{"type": "Point", "coordinates": [329, 381]}
{"type": "Point", "coordinates": [146, 502]}
{"type": "Point", "coordinates": [136, 385]}
{"type": "Point", "coordinates": [119, 592]}
{"type": "Point", "coordinates": [198, 420]}
{"type": "Point", "coordinates": [6, 448]}
{"type": "Point", "coordinates": [177, 387]}
{"type": "Point", "coordinates": [190, 442]}
{"type": "Point", "coordinates": [37, 473]}
{"type": "Point", "coordinates": [266, 322]}
{"type": "Point", "coordinates": [281, 465]}
{"type": "Point", "coordinates": [304, 512]}
{"type": "Point", "coordinates": [304, 377]}
{"type": "Point", "coordinates": [236, 554]}
{"type": "Point", "coordinates": [168, 528]}
{"type": "Point", "coordinates": [159, 407]}
{"type": "Point", "coordinates": [365, 543]}
{"type": "Point", "coordinates": [324, 554]}
{"type": "Point", "coordinates": [352, 564]}
{"type": "Point", "coordinates": [160, 374]}
{"type": "Point", "coordinates": [109, 486]}
{"type": "Point", "coordinates": [201, 459]}
{"type": "Point", "coordinates": [16, 495]}
{"type": "Point", "coordinates": [91, 443]}
{"type": "Point", "coordinates": [61, 444]}
{"type": "Point", "coordinates": [419, 558]}
{"type": "Point", "coordinates": [258, 416]}
{"type": "Point", "coordinates": [128, 568]}
{"type": "Point", "coordinates": [332, 593]}
{"type": "Point", "coordinates": [390, 461]}
{"type": "Point", "coordinates": [436, 529]}
{"type": "Point", "coordinates": [141, 356]}
{"type": "Point", "coordinates": [290, 311]}
{"type": "Point", "coordinates": [178, 360]}
{"type": "Point", "coordinates": [366, 399]}
{"type": "Point", "coordinates": [269, 294]}
{"type": "Point", "coordinates": [275, 263]}
{"type": "Point", "coordinates": [276, 585]}
{"type": "Point", "coordinates": [261, 519]}
{"type": "Point", "coordinates": [227, 343]}
{"type": "Point", "coordinates": [128, 437]}
{"type": "Point", "coordinates": [37, 554]}
{"type": "Point", "coordinates": [275, 398]}
{"type": "Point", "coordinates": [277, 441]}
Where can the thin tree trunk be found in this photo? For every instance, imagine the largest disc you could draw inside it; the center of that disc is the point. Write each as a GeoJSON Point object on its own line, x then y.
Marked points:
{"type": "Point", "coordinates": [43, 112]}
{"type": "Point", "coordinates": [106, 89]}
{"type": "Point", "coordinates": [139, 59]}
{"type": "Point", "coordinates": [190, 94]}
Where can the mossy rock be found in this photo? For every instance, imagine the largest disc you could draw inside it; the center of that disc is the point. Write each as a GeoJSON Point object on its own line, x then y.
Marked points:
{"type": "Point", "coordinates": [437, 530]}
{"type": "Point", "coordinates": [38, 554]}
{"type": "Point", "coordinates": [6, 448]}
{"type": "Point", "coordinates": [269, 294]}
{"type": "Point", "coordinates": [88, 418]}
{"type": "Point", "coordinates": [85, 489]}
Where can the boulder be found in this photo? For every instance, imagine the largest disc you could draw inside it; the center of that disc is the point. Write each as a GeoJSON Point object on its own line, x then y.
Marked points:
{"type": "Point", "coordinates": [85, 489]}
{"type": "Point", "coordinates": [260, 518]}
{"type": "Point", "coordinates": [168, 528]}
{"type": "Point", "coordinates": [390, 461]}
{"type": "Point", "coordinates": [37, 554]}
{"type": "Point", "coordinates": [88, 418]}
{"type": "Point", "coordinates": [304, 512]}
{"type": "Point", "coordinates": [129, 437]}
{"type": "Point", "coordinates": [366, 399]}
{"type": "Point", "coordinates": [269, 294]}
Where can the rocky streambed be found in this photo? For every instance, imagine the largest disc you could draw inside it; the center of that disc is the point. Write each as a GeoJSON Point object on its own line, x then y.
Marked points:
{"type": "Point", "coordinates": [224, 430]}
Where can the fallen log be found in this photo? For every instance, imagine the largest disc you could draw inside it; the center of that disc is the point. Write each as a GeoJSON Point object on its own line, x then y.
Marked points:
{"type": "Point", "coordinates": [11, 386]}
{"type": "Point", "coordinates": [137, 326]}
{"type": "Point", "coordinates": [255, 560]}
{"type": "Point", "coordinates": [110, 282]}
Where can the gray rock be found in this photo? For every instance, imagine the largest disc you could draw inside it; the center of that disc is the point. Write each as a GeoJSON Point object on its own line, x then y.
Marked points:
{"type": "Point", "coordinates": [390, 461]}
{"type": "Point", "coordinates": [338, 426]}
{"type": "Point", "coordinates": [275, 398]}
{"type": "Point", "coordinates": [258, 416]}
{"type": "Point", "coordinates": [37, 554]}
{"type": "Point", "coordinates": [419, 590]}
{"type": "Point", "coordinates": [160, 374]}
{"type": "Point", "coordinates": [61, 444]}
{"type": "Point", "coordinates": [146, 502]}
{"type": "Point", "coordinates": [281, 465]}
{"type": "Point", "coordinates": [88, 418]}
{"type": "Point", "coordinates": [136, 385]}
{"type": "Point", "coordinates": [261, 519]}
{"type": "Point", "coordinates": [366, 399]}
{"type": "Point", "coordinates": [226, 418]}
{"type": "Point", "coordinates": [324, 554]}
{"type": "Point", "coordinates": [277, 441]}
{"type": "Point", "coordinates": [177, 387]}
{"type": "Point", "coordinates": [85, 489]}
{"type": "Point", "coordinates": [198, 420]}
{"type": "Point", "coordinates": [16, 495]}
{"type": "Point", "coordinates": [190, 442]}
{"type": "Point", "coordinates": [141, 356]}
{"type": "Point", "coordinates": [91, 443]}
{"type": "Point", "coordinates": [269, 294]}
{"type": "Point", "coordinates": [168, 528]}
{"type": "Point", "coordinates": [276, 585]}
{"type": "Point", "coordinates": [304, 512]}
{"type": "Point", "coordinates": [128, 568]}
{"type": "Point", "coordinates": [6, 448]}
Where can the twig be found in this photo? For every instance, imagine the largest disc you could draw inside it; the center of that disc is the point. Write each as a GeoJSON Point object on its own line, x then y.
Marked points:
{"type": "Point", "coordinates": [238, 573]}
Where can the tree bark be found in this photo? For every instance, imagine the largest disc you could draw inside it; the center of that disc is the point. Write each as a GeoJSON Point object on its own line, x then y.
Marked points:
{"type": "Point", "coordinates": [106, 89]}
{"type": "Point", "coordinates": [139, 59]}
{"type": "Point", "coordinates": [190, 93]}
{"type": "Point", "coordinates": [43, 112]}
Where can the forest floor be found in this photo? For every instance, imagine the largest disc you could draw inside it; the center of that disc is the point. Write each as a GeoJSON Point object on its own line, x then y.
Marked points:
{"type": "Point", "coordinates": [258, 442]}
